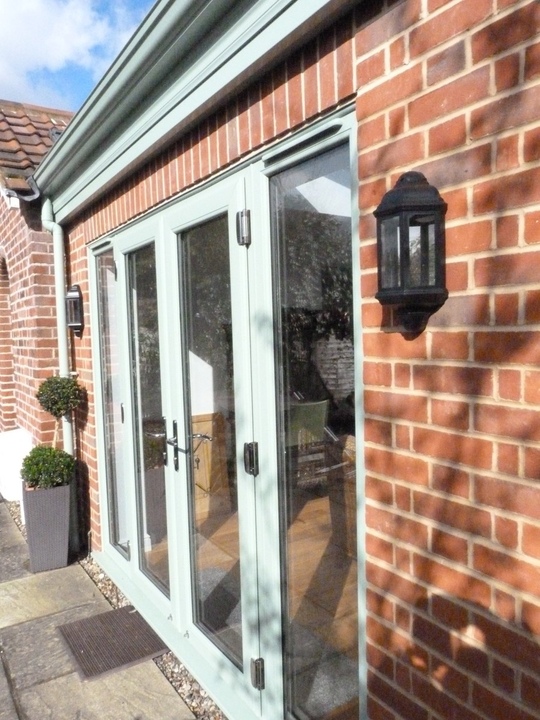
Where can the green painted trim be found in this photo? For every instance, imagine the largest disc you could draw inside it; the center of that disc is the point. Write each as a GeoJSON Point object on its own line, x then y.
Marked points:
{"type": "Point", "coordinates": [174, 70]}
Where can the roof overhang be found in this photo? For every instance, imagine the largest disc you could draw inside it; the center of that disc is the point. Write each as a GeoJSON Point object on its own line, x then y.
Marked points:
{"type": "Point", "coordinates": [187, 57]}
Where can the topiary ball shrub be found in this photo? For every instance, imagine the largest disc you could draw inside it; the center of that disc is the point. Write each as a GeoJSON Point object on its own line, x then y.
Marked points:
{"type": "Point", "coordinates": [60, 395]}
{"type": "Point", "coordinates": [46, 467]}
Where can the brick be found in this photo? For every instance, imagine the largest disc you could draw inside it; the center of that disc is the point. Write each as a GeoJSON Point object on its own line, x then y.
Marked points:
{"type": "Point", "coordinates": [520, 347]}
{"type": "Point", "coordinates": [450, 414]}
{"type": "Point", "coordinates": [294, 89]}
{"type": "Point", "coordinates": [508, 458]}
{"type": "Point", "coordinates": [452, 481]}
{"type": "Point", "coordinates": [413, 470]}
{"type": "Point", "coordinates": [531, 540]}
{"type": "Point", "coordinates": [507, 153]}
{"type": "Point", "coordinates": [507, 72]}
{"type": "Point", "coordinates": [397, 52]}
{"type": "Point", "coordinates": [530, 691]}
{"type": "Point", "coordinates": [397, 118]}
{"type": "Point", "coordinates": [459, 167]}
{"type": "Point", "coordinates": [531, 145]}
{"type": "Point", "coordinates": [508, 640]}
{"type": "Point", "coordinates": [504, 677]}
{"type": "Point", "coordinates": [394, 405]}
{"type": "Point", "coordinates": [447, 135]}
{"type": "Point", "coordinates": [449, 345]}
{"type": "Point", "coordinates": [377, 431]}
{"type": "Point", "coordinates": [458, 583]}
{"type": "Point", "coordinates": [390, 92]}
{"type": "Point", "coordinates": [397, 153]}
{"type": "Point", "coordinates": [370, 68]}
{"type": "Point", "coordinates": [453, 96]}
{"type": "Point", "coordinates": [532, 227]}
{"type": "Point", "coordinates": [510, 496]}
{"type": "Point", "coordinates": [403, 705]}
{"type": "Point", "coordinates": [345, 59]}
{"type": "Point", "coordinates": [506, 113]}
{"type": "Point", "coordinates": [449, 546]}
{"type": "Point", "coordinates": [371, 132]}
{"type": "Point", "coordinates": [379, 490]}
{"type": "Point", "coordinates": [398, 527]}
{"type": "Point", "coordinates": [532, 306]}
{"type": "Point", "coordinates": [378, 373]}
{"type": "Point", "coordinates": [387, 25]}
{"type": "Point", "coordinates": [506, 532]}
{"type": "Point", "coordinates": [452, 514]}
{"type": "Point", "coordinates": [509, 31]}
{"type": "Point", "coordinates": [532, 463]}
{"type": "Point", "coordinates": [474, 237]}
{"type": "Point", "coordinates": [392, 584]}
{"type": "Point", "coordinates": [468, 450]}
{"type": "Point", "coordinates": [393, 345]}
{"type": "Point", "coordinates": [530, 614]}
{"type": "Point", "coordinates": [506, 308]}
{"type": "Point", "coordinates": [444, 26]}
{"type": "Point", "coordinates": [380, 549]}
{"type": "Point", "coordinates": [327, 70]}
{"type": "Point", "coordinates": [455, 380]}
{"type": "Point", "coordinates": [507, 231]}
{"type": "Point", "coordinates": [509, 384]}
{"type": "Point", "coordinates": [532, 387]}
{"type": "Point", "coordinates": [450, 61]}
{"type": "Point", "coordinates": [532, 62]}
{"type": "Point", "coordinates": [402, 375]}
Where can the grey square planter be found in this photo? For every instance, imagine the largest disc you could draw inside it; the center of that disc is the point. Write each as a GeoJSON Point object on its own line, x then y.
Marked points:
{"type": "Point", "coordinates": [46, 512]}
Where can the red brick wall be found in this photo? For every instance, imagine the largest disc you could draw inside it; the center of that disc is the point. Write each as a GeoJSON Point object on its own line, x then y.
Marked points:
{"type": "Point", "coordinates": [452, 421]}
{"type": "Point", "coordinates": [28, 345]}
{"type": "Point", "coordinates": [450, 88]}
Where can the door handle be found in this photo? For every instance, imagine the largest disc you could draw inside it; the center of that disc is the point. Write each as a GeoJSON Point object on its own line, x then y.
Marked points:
{"type": "Point", "coordinates": [173, 442]}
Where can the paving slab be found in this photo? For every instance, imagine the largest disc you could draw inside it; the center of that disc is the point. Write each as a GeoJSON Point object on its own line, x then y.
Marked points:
{"type": "Point", "coordinates": [7, 707]}
{"type": "Point", "coordinates": [136, 693]}
{"type": "Point", "coordinates": [36, 650]}
{"type": "Point", "coordinates": [44, 594]}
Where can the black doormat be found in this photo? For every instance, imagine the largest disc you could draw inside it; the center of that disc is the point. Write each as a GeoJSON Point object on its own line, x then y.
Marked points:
{"type": "Point", "coordinates": [111, 640]}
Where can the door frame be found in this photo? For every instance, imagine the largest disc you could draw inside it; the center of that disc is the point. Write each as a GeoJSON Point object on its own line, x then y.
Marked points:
{"type": "Point", "coordinates": [171, 618]}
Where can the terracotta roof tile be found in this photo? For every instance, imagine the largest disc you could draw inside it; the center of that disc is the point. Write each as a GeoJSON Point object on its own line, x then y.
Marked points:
{"type": "Point", "coordinates": [25, 138]}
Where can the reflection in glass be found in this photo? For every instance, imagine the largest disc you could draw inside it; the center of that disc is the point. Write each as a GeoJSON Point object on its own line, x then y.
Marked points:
{"type": "Point", "coordinates": [111, 394]}
{"type": "Point", "coordinates": [212, 465]}
{"type": "Point", "coordinates": [390, 253]}
{"type": "Point", "coordinates": [311, 209]}
{"type": "Point", "coordinates": [422, 251]}
{"type": "Point", "coordinates": [149, 424]}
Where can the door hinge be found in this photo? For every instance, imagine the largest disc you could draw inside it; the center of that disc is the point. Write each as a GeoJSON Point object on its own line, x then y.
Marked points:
{"type": "Point", "coordinates": [257, 673]}
{"type": "Point", "coordinates": [251, 458]}
{"type": "Point", "coordinates": [243, 227]}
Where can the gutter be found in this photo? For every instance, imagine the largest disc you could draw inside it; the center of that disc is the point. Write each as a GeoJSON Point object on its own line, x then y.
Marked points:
{"type": "Point", "coordinates": [47, 219]}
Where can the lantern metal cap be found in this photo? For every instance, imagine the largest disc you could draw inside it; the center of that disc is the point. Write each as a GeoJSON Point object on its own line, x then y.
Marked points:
{"type": "Point", "coordinates": [412, 191]}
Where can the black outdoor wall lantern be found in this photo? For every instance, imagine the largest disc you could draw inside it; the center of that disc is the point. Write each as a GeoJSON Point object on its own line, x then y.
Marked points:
{"type": "Point", "coordinates": [411, 251]}
{"type": "Point", "coordinates": [75, 310]}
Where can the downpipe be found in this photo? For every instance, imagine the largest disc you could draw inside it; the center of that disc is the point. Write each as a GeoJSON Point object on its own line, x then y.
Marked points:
{"type": "Point", "coordinates": [57, 232]}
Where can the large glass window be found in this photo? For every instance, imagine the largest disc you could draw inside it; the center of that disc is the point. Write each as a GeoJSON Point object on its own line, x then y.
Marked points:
{"type": "Point", "coordinates": [111, 398]}
{"type": "Point", "coordinates": [311, 216]}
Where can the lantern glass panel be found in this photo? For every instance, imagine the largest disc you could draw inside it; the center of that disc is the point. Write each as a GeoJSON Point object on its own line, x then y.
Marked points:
{"type": "Point", "coordinates": [390, 253]}
{"type": "Point", "coordinates": [422, 270]}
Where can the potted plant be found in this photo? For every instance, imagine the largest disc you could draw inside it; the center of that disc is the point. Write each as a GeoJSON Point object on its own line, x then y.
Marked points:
{"type": "Point", "coordinates": [47, 473]}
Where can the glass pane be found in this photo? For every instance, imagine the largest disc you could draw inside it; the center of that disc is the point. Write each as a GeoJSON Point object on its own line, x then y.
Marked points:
{"type": "Point", "coordinates": [214, 515]}
{"type": "Point", "coordinates": [390, 253]}
{"type": "Point", "coordinates": [149, 425]}
{"type": "Point", "coordinates": [312, 231]}
{"type": "Point", "coordinates": [422, 251]}
{"type": "Point", "coordinates": [112, 409]}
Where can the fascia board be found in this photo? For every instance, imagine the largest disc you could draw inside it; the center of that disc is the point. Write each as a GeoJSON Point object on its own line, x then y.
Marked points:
{"type": "Point", "coordinates": [256, 39]}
